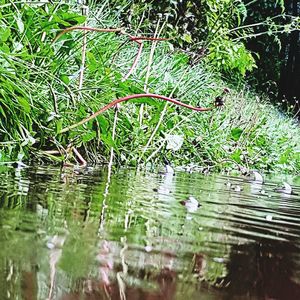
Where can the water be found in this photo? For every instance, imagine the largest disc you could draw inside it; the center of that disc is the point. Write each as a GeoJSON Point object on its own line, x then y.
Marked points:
{"type": "Point", "coordinates": [70, 235]}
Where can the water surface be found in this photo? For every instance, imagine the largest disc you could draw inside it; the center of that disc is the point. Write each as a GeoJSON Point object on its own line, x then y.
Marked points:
{"type": "Point", "coordinates": [80, 235]}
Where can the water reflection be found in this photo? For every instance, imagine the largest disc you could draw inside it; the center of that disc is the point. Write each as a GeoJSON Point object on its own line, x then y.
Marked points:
{"type": "Point", "coordinates": [87, 235]}
{"type": "Point", "coordinates": [271, 273]}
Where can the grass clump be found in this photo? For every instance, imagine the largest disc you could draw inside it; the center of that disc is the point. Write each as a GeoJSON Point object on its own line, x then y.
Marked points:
{"type": "Point", "coordinates": [41, 93]}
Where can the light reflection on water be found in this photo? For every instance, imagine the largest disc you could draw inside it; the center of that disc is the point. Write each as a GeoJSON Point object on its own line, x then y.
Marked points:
{"type": "Point", "coordinates": [65, 235]}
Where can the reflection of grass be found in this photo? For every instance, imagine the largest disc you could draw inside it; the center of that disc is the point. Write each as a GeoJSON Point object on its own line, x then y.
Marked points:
{"type": "Point", "coordinates": [132, 211]}
{"type": "Point", "coordinates": [194, 247]}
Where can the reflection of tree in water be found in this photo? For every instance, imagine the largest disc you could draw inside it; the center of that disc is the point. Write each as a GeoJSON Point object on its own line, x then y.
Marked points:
{"type": "Point", "coordinates": [93, 290]}
{"type": "Point", "coordinates": [134, 256]}
{"type": "Point", "coordinates": [263, 269]}
{"type": "Point", "coordinates": [71, 270]}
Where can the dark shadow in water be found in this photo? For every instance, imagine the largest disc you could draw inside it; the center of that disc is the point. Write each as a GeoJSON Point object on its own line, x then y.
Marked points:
{"type": "Point", "coordinates": [263, 270]}
{"type": "Point", "coordinates": [166, 291]}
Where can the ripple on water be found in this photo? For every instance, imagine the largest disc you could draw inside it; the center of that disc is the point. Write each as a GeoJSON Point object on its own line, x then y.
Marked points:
{"type": "Point", "coordinates": [67, 233]}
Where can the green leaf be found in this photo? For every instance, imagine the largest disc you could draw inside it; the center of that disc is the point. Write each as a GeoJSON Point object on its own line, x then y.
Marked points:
{"type": "Point", "coordinates": [59, 125]}
{"type": "Point", "coordinates": [4, 33]}
{"type": "Point", "coordinates": [103, 123]}
{"type": "Point", "coordinates": [2, 112]}
{"type": "Point", "coordinates": [149, 101]}
{"type": "Point", "coordinates": [92, 62]}
{"type": "Point", "coordinates": [88, 136]}
{"type": "Point", "coordinates": [108, 141]}
{"type": "Point", "coordinates": [58, 20]}
{"type": "Point", "coordinates": [187, 38]}
{"type": "Point", "coordinates": [5, 49]}
{"type": "Point", "coordinates": [25, 104]}
{"type": "Point", "coordinates": [236, 155]}
{"type": "Point", "coordinates": [65, 78]}
{"type": "Point", "coordinates": [236, 133]}
{"type": "Point", "coordinates": [73, 18]}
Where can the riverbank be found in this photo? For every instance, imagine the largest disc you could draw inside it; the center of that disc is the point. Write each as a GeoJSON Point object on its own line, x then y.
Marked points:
{"type": "Point", "coordinates": [45, 88]}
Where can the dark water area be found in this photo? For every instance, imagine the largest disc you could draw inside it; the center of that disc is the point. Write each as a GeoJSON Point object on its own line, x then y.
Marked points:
{"type": "Point", "coordinates": [85, 235]}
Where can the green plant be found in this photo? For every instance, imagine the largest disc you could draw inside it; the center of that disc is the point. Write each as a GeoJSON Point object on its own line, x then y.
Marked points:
{"type": "Point", "coordinates": [41, 93]}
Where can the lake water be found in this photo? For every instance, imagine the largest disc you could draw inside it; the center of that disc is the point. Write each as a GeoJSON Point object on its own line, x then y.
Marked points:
{"type": "Point", "coordinates": [131, 235]}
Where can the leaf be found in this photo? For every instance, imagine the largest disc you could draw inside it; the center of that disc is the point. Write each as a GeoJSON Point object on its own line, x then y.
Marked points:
{"type": "Point", "coordinates": [4, 48]}
{"type": "Point", "coordinates": [126, 123]}
{"type": "Point", "coordinates": [59, 124]}
{"type": "Point", "coordinates": [65, 78]}
{"type": "Point", "coordinates": [4, 33]}
{"type": "Point", "coordinates": [58, 20]}
{"type": "Point", "coordinates": [103, 123]}
{"type": "Point", "coordinates": [25, 104]}
{"type": "Point", "coordinates": [2, 112]}
{"type": "Point", "coordinates": [108, 141]}
{"type": "Point", "coordinates": [236, 155]}
{"type": "Point", "coordinates": [134, 89]}
{"type": "Point", "coordinates": [149, 101]}
{"type": "Point", "coordinates": [73, 18]}
{"type": "Point", "coordinates": [236, 133]}
{"type": "Point", "coordinates": [88, 136]}
{"type": "Point", "coordinates": [92, 62]}
{"type": "Point", "coordinates": [187, 38]}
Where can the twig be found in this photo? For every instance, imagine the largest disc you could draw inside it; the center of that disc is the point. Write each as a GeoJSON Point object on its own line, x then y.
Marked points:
{"type": "Point", "coordinates": [146, 89]}
{"type": "Point", "coordinates": [86, 28]}
{"type": "Point", "coordinates": [143, 38]}
{"type": "Point", "coordinates": [121, 31]}
{"type": "Point", "coordinates": [55, 106]}
{"type": "Point", "coordinates": [81, 159]}
{"type": "Point", "coordinates": [113, 103]}
{"type": "Point", "coordinates": [138, 55]}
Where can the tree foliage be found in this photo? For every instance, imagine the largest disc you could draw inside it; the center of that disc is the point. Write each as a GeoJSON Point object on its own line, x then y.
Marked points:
{"type": "Point", "coordinates": [203, 27]}
{"type": "Point", "coordinates": [275, 38]}
{"type": "Point", "coordinates": [235, 36]}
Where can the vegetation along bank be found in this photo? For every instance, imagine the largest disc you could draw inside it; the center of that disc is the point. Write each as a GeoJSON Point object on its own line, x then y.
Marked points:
{"type": "Point", "coordinates": [62, 62]}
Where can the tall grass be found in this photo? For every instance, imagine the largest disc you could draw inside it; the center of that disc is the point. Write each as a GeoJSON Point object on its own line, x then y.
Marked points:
{"type": "Point", "coordinates": [40, 94]}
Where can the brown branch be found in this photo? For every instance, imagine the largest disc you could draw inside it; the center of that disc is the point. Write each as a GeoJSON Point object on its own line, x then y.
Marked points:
{"type": "Point", "coordinates": [140, 38]}
{"type": "Point", "coordinates": [139, 53]}
{"type": "Point", "coordinates": [86, 28]}
{"type": "Point", "coordinates": [136, 39]}
{"type": "Point", "coordinates": [113, 103]}
{"type": "Point", "coordinates": [83, 162]}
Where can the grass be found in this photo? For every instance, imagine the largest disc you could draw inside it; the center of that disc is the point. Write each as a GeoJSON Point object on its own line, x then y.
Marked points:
{"type": "Point", "coordinates": [40, 94]}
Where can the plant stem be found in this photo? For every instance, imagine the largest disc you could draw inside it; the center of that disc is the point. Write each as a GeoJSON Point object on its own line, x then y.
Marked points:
{"type": "Point", "coordinates": [160, 120]}
{"type": "Point", "coordinates": [139, 53]}
{"type": "Point", "coordinates": [113, 138]}
{"type": "Point", "coordinates": [83, 51]}
{"type": "Point", "coordinates": [113, 103]}
{"type": "Point", "coordinates": [146, 89]}
{"type": "Point", "coordinates": [86, 28]}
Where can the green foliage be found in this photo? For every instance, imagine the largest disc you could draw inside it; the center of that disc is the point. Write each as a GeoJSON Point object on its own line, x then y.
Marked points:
{"type": "Point", "coordinates": [40, 95]}
{"type": "Point", "coordinates": [267, 32]}
{"type": "Point", "coordinates": [218, 30]}
{"type": "Point", "coordinates": [232, 58]}
{"type": "Point", "coordinates": [201, 26]}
